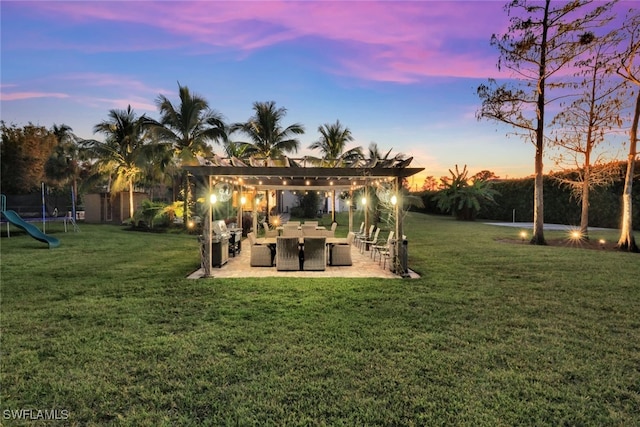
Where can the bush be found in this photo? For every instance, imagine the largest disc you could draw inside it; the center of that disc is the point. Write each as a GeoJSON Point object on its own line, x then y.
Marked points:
{"type": "Point", "coordinates": [309, 204]}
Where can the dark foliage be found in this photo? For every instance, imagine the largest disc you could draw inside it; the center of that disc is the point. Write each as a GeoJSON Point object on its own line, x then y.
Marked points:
{"type": "Point", "coordinates": [560, 206]}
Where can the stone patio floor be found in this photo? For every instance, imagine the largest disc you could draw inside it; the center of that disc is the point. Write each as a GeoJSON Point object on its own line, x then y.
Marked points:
{"type": "Point", "coordinates": [363, 266]}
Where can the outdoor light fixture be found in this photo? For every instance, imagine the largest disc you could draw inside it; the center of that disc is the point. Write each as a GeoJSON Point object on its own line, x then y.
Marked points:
{"type": "Point", "coordinates": [243, 200]}
{"type": "Point", "coordinates": [394, 200]}
{"type": "Point", "coordinates": [364, 200]}
{"type": "Point", "coordinates": [602, 242]}
{"type": "Point", "coordinates": [576, 235]}
{"type": "Point", "coordinates": [523, 235]}
{"type": "Point", "coordinates": [213, 199]}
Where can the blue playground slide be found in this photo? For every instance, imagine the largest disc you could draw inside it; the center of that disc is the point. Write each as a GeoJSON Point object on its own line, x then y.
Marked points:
{"type": "Point", "coordinates": [33, 231]}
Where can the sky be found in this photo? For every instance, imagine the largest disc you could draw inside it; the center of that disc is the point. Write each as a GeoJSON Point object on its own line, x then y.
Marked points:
{"type": "Point", "coordinates": [402, 74]}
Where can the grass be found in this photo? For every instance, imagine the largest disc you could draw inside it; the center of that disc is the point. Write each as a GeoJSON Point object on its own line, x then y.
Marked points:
{"type": "Point", "coordinates": [107, 327]}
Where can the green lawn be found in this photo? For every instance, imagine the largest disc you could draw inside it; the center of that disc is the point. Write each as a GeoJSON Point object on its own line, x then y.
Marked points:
{"type": "Point", "coordinates": [107, 327]}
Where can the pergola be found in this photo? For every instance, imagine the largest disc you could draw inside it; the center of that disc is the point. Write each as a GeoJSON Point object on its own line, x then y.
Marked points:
{"type": "Point", "coordinates": [251, 177]}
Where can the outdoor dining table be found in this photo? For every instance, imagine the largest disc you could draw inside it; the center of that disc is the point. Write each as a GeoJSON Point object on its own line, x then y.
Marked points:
{"type": "Point", "coordinates": [329, 240]}
{"type": "Point", "coordinates": [280, 228]}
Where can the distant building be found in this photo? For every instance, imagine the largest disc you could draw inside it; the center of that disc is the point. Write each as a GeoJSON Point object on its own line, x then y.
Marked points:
{"type": "Point", "coordinates": [104, 208]}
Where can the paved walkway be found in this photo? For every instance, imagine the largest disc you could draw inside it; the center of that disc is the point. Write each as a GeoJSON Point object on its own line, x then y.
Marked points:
{"type": "Point", "coordinates": [239, 267]}
{"type": "Point", "coordinates": [529, 226]}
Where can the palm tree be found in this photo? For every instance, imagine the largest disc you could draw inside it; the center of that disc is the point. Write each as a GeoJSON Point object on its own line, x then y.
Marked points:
{"type": "Point", "coordinates": [188, 127]}
{"type": "Point", "coordinates": [332, 142]}
{"type": "Point", "coordinates": [463, 196]}
{"type": "Point", "coordinates": [64, 166]}
{"type": "Point", "coordinates": [268, 138]}
{"type": "Point", "coordinates": [124, 150]}
{"type": "Point", "coordinates": [376, 158]}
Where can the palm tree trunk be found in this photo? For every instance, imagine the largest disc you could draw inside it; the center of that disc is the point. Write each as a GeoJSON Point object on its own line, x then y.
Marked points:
{"type": "Point", "coordinates": [185, 188]}
{"type": "Point", "coordinates": [627, 241]}
{"type": "Point", "coordinates": [131, 199]}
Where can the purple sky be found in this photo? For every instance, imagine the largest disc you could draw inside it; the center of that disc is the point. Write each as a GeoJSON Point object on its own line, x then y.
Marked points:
{"type": "Point", "coordinates": [401, 74]}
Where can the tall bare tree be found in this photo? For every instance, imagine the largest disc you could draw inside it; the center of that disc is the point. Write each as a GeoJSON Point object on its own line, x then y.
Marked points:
{"type": "Point", "coordinates": [629, 69]}
{"type": "Point", "coordinates": [541, 41]}
{"type": "Point", "coordinates": [587, 121]}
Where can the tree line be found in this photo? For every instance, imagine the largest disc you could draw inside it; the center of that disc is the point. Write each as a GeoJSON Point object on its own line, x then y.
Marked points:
{"type": "Point", "coordinates": [574, 81]}
{"type": "Point", "coordinates": [138, 150]}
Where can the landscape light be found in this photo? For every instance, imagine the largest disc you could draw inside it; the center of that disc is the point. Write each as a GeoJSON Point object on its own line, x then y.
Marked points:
{"type": "Point", "coordinates": [243, 200]}
{"type": "Point", "coordinates": [394, 200]}
{"type": "Point", "coordinates": [576, 235]}
{"type": "Point", "coordinates": [523, 235]}
{"type": "Point", "coordinates": [213, 199]}
{"type": "Point", "coordinates": [364, 200]}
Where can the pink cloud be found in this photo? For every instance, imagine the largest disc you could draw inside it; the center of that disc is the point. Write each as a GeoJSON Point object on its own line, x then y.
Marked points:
{"type": "Point", "coordinates": [122, 82]}
{"type": "Point", "coordinates": [18, 96]}
{"type": "Point", "coordinates": [402, 41]}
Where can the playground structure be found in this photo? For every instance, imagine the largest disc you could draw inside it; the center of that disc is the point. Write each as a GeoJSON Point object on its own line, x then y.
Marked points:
{"type": "Point", "coordinates": [14, 218]}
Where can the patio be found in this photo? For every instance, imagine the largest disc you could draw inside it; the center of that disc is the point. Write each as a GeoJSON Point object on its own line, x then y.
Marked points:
{"type": "Point", "coordinates": [239, 267]}
{"type": "Point", "coordinates": [233, 179]}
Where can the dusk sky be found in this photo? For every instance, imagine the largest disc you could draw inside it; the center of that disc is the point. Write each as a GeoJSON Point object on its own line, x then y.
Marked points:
{"type": "Point", "coordinates": [401, 74]}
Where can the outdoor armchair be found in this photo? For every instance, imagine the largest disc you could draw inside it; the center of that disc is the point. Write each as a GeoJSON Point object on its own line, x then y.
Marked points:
{"type": "Point", "coordinates": [291, 231]}
{"type": "Point", "coordinates": [268, 232]}
{"type": "Point", "coordinates": [260, 254]}
{"type": "Point", "coordinates": [341, 252]}
{"type": "Point", "coordinates": [287, 253]}
{"type": "Point", "coordinates": [308, 230]}
{"type": "Point", "coordinates": [315, 254]}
